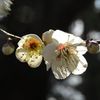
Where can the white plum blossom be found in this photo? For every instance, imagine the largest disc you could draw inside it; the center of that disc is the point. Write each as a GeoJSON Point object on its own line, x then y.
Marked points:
{"type": "Point", "coordinates": [64, 53]}
{"type": "Point", "coordinates": [30, 50]}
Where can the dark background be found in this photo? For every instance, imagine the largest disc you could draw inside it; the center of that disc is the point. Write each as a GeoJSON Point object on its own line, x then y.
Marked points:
{"type": "Point", "coordinates": [17, 80]}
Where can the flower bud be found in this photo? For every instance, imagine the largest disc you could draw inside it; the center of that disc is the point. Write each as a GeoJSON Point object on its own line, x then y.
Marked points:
{"type": "Point", "coordinates": [92, 46]}
{"type": "Point", "coordinates": [8, 48]}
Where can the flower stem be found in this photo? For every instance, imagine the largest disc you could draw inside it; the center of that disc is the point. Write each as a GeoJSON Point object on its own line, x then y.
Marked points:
{"type": "Point", "coordinates": [9, 34]}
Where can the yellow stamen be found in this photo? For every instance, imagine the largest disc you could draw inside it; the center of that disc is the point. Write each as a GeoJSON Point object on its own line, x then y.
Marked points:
{"type": "Point", "coordinates": [65, 50]}
{"type": "Point", "coordinates": [32, 45]}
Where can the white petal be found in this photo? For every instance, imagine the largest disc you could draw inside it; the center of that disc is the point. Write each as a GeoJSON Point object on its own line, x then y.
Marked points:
{"type": "Point", "coordinates": [21, 42]}
{"type": "Point", "coordinates": [61, 36]}
{"type": "Point", "coordinates": [47, 36]}
{"type": "Point", "coordinates": [49, 52]}
{"type": "Point", "coordinates": [81, 67]}
{"type": "Point", "coordinates": [76, 40]}
{"type": "Point", "coordinates": [72, 62]}
{"type": "Point", "coordinates": [21, 54]}
{"type": "Point", "coordinates": [60, 69]}
{"type": "Point", "coordinates": [81, 49]}
{"type": "Point", "coordinates": [35, 61]}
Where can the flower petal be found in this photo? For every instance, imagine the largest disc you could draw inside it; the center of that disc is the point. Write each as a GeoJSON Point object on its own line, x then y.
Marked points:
{"type": "Point", "coordinates": [35, 61]}
{"type": "Point", "coordinates": [60, 69]}
{"type": "Point", "coordinates": [21, 42]}
{"type": "Point", "coordinates": [72, 62]}
{"type": "Point", "coordinates": [49, 52]}
{"type": "Point", "coordinates": [76, 40]}
{"type": "Point", "coordinates": [81, 67]}
{"type": "Point", "coordinates": [61, 36]}
{"type": "Point", "coordinates": [21, 54]}
{"type": "Point", "coordinates": [47, 36]}
{"type": "Point", "coordinates": [81, 49]}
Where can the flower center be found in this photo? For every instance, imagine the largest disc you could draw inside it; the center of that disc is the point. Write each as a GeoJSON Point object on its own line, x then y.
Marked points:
{"type": "Point", "coordinates": [65, 50]}
{"type": "Point", "coordinates": [32, 44]}
{"type": "Point", "coordinates": [60, 47]}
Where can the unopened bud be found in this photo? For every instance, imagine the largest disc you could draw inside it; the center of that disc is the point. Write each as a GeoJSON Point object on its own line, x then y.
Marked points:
{"type": "Point", "coordinates": [8, 48]}
{"type": "Point", "coordinates": [92, 46]}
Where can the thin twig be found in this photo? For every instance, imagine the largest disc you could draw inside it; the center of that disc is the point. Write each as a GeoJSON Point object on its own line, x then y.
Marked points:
{"type": "Point", "coordinates": [9, 34]}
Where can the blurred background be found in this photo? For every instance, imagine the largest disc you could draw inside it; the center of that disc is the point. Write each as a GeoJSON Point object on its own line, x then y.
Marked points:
{"type": "Point", "coordinates": [18, 81]}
